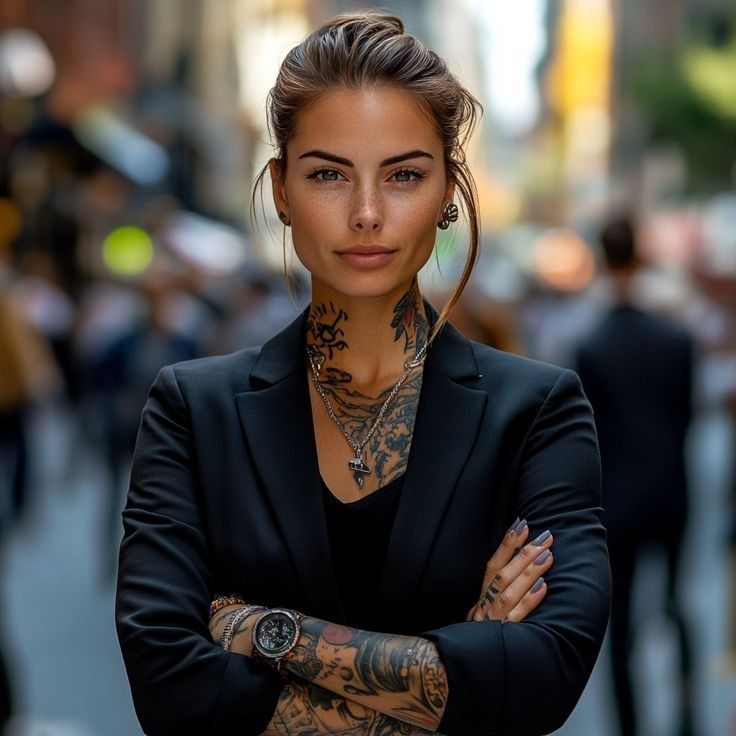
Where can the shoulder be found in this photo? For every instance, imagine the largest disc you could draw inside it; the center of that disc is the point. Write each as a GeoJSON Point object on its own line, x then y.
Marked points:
{"type": "Point", "coordinates": [510, 375]}
{"type": "Point", "coordinates": [229, 373]}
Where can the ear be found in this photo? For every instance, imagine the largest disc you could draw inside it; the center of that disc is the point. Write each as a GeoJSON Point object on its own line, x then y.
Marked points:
{"type": "Point", "coordinates": [449, 192]}
{"type": "Point", "coordinates": [279, 189]}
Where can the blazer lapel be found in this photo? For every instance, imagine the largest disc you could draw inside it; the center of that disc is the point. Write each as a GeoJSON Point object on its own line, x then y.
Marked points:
{"type": "Point", "coordinates": [277, 422]}
{"type": "Point", "coordinates": [445, 432]}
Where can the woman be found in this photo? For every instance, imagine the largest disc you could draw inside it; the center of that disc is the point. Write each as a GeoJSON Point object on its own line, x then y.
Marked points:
{"type": "Point", "coordinates": [359, 470]}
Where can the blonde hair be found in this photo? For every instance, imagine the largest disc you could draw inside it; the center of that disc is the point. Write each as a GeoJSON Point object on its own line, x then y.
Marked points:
{"type": "Point", "coordinates": [368, 48]}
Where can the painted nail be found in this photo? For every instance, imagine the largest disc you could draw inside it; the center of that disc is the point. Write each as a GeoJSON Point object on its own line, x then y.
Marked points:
{"type": "Point", "coordinates": [513, 525]}
{"type": "Point", "coordinates": [520, 526]}
{"type": "Point", "coordinates": [537, 586]}
{"type": "Point", "coordinates": [542, 538]}
{"type": "Point", "coordinates": [543, 557]}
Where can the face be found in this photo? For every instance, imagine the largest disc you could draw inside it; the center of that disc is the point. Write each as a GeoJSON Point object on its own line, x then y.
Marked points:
{"type": "Point", "coordinates": [364, 188]}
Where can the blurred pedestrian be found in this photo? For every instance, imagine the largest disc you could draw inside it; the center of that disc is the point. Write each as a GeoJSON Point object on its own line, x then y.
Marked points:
{"type": "Point", "coordinates": [27, 373]}
{"type": "Point", "coordinates": [125, 371]}
{"type": "Point", "coordinates": [636, 369]}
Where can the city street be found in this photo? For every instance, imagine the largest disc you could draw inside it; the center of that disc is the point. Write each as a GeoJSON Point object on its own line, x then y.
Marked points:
{"type": "Point", "coordinates": [58, 609]}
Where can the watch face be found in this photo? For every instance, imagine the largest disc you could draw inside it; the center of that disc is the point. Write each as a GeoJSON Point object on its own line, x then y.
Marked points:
{"type": "Point", "coordinates": [275, 633]}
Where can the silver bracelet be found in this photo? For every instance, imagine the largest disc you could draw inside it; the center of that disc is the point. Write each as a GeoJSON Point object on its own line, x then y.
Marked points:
{"type": "Point", "coordinates": [233, 624]}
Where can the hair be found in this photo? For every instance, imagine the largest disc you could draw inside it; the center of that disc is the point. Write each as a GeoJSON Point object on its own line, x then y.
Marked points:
{"type": "Point", "coordinates": [371, 48]}
{"type": "Point", "coordinates": [619, 244]}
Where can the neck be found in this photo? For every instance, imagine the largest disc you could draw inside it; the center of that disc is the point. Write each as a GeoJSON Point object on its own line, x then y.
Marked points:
{"type": "Point", "coordinates": [622, 286]}
{"type": "Point", "coordinates": [365, 341]}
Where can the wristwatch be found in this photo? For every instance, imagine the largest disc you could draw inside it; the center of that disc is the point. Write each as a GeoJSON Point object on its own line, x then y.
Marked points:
{"type": "Point", "coordinates": [275, 634]}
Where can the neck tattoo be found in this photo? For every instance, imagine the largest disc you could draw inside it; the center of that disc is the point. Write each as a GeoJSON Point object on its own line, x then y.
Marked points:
{"type": "Point", "coordinates": [358, 468]}
{"type": "Point", "coordinates": [327, 337]}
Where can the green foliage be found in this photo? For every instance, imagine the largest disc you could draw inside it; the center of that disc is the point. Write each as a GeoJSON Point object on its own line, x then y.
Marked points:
{"type": "Point", "coordinates": [688, 99]}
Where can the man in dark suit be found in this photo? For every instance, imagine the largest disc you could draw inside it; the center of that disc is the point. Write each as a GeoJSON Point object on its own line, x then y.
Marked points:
{"type": "Point", "coordinates": [636, 369]}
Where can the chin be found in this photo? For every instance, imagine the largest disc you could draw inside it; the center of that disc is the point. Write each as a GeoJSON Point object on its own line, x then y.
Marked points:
{"type": "Point", "coordinates": [367, 286]}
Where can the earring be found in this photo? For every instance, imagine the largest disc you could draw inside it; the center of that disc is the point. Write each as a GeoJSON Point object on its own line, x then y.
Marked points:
{"type": "Point", "coordinates": [283, 218]}
{"type": "Point", "coordinates": [449, 214]}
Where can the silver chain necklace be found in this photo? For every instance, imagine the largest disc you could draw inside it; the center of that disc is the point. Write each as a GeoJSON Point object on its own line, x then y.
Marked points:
{"type": "Point", "coordinates": [356, 464]}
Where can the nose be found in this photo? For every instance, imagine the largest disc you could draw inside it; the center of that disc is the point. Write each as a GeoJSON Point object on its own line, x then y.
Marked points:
{"type": "Point", "coordinates": [366, 213]}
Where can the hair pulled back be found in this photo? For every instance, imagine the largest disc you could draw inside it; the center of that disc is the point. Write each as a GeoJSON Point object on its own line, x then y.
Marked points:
{"type": "Point", "coordinates": [371, 48]}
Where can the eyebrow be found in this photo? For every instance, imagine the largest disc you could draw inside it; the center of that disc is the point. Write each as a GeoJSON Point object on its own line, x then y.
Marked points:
{"type": "Point", "coordinates": [417, 153]}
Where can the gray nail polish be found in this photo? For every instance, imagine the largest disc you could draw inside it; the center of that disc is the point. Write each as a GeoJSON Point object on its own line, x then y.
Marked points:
{"type": "Point", "coordinates": [543, 557]}
{"type": "Point", "coordinates": [537, 586]}
{"type": "Point", "coordinates": [513, 525]}
{"type": "Point", "coordinates": [542, 538]}
{"type": "Point", "coordinates": [520, 526]}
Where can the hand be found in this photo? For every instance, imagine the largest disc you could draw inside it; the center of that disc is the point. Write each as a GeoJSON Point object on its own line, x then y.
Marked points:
{"type": "Point", "coordinates": [513, 585]}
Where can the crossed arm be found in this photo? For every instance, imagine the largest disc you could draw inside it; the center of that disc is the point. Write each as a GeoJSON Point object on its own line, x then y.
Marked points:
{"type": "Point", "coordinates": [348, 681]}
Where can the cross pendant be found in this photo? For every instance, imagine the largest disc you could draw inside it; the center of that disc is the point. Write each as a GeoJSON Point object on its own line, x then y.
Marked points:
{"type": "Point", "coordinates": [359, 469]}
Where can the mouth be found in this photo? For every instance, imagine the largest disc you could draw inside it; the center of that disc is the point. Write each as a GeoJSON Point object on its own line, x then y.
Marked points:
{"type": "Point", "coordinates": [366, 256]}
{"type": "Point", "coordinates": [366, 250]}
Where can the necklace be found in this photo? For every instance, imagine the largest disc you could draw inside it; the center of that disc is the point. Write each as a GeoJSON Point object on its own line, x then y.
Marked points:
{"type": "Point", "coordinates": [356, 464]}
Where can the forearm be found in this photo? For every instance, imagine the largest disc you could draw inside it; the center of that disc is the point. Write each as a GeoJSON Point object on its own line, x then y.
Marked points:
{"type": "Point", "coordinates": [304, 708]}
{"type": "Point", "coordinates": [399, 676]}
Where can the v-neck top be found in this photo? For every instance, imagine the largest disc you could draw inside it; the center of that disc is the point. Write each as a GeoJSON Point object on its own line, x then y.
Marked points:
{"type": "Point", "coordinates": [359, 533]}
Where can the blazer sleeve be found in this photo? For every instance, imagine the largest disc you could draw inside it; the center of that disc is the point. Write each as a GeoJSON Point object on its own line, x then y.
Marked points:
{"type": "Point", "coordinates": [525, 678]}
{"type": "Point", "coordinates": [180, 680]}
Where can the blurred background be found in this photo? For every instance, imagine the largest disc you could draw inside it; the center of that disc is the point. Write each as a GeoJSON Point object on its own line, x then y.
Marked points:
{"type": "Point", "coordinates": [130, 134]}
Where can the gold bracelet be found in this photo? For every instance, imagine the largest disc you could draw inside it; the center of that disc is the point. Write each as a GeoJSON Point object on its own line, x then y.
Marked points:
{"type": "Point", "coordinates": [224, 599]}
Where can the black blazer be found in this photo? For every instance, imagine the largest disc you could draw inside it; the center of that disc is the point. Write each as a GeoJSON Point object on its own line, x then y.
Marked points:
{"type": "Point", "coordinates": [225, 496]}
{"type": "Point", "coordinates": [637, 371]}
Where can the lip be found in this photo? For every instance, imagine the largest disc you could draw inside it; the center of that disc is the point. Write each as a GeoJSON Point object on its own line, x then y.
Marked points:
{"type": "Point", "coordinates": [366, 250]}
{"type": "Point", "coordinates": [366, 256]}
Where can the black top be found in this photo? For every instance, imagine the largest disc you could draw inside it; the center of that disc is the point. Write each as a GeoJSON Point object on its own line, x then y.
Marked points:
{"type": "Point", "coordinates": [359, 533]}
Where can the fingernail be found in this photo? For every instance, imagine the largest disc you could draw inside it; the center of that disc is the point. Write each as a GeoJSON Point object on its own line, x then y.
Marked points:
{"type": "Point", "coordinates": [513, 525]}
{"type": "Point", "coordinates": [543, 557]}
{"type": "Point", "coordinates": [537, 586]}
{"type": "Point", "coordinates": [520, 526]}
{"type": "Point", "coordinates": [542, 538]}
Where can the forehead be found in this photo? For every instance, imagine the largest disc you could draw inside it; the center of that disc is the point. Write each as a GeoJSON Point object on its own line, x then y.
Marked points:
{"type": "Point", "coordinates": [365, 123]}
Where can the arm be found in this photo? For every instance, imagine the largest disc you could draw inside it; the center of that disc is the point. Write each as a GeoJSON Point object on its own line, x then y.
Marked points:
{"type": "Point", "coordinates": [180, 680]}
{"type": "Point", "coordinates": [385, 681]}
{"type": "Point", "coordinates": [306, 708]}
{"type": "Point", "coordinates": [400, 677]}
{"type": "Point", "coordinates": [494, 671]}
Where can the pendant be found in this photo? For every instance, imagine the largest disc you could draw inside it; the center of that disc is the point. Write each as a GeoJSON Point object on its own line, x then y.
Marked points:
{"type": "Point", "coordinates": [359, 469]}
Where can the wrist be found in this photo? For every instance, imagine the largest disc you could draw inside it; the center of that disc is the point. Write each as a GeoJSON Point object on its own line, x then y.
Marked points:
{"type": "Point", "coordinates": [275, 634]}
{"type": "Point", "coordinates": [236, 634]}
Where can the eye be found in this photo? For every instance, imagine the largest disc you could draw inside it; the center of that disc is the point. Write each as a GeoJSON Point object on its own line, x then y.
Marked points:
{"type": "Point", "coordinates": [408, 176]}
{"type": "Point", "coordinates": [324, 175]}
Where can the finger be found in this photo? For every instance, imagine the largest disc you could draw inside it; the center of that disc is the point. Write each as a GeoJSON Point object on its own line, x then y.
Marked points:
{"type": "Point", "coordinates": [515, 592]}
{"type": "Point", "coordinates": [526, 557]}
{"type": "Point", "coordinates": [513, 581]}
{"type": "Point", "coordinates": [514, 538]}
{"type": "Point", "coordinates": [529, 602]}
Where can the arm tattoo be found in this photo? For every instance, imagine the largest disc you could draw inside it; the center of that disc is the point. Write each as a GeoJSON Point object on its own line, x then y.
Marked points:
{"type": "Point", "coordinates": [312, 711]}
{"type": "Point", "coordinates": [399, 676]}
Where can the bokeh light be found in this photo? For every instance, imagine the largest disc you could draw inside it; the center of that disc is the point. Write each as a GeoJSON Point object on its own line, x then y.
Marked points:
{"type": "Point", "coordinates": [26, 66]}
{"type": "Point", "coordinates": [563, 260]}
{"type": "Point", "coordinates": [128, 251]}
